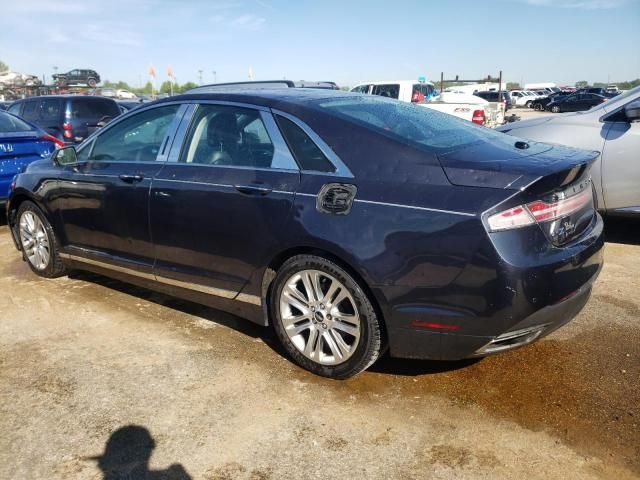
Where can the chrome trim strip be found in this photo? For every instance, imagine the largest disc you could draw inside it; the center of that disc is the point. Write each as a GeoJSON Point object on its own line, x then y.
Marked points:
{"type": "Point", "coordinates": [413, 207]}
{"type": "Point", "coordinates": [117, 268]}
{"type": "Point", "coordinates": [221, 185]}
{"type": "Point", "coordinates": [218, 292]}
{"type": "Point", "coordinates": [627, 209]}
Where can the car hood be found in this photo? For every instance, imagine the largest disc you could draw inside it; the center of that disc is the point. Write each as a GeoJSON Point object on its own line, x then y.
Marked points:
{"type": "Point", "coordinates": [502, 165]}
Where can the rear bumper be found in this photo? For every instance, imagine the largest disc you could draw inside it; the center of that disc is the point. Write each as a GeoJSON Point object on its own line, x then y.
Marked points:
{"type": "Point", "coordinates": [486, 312]}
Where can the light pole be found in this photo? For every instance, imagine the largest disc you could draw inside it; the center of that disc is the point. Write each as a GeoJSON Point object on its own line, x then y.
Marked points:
{"type": "Point", "coordinates": [215, 76]}
{"type": "Point", "coordinates": [200, 76]}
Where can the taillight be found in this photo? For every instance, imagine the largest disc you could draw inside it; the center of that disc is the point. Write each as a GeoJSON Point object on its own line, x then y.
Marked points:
{"type": "Point", "coordinates": [56, 141]}
{"type": "Point", "coordinates": [538, 211]}
{"type": "Point", "coordinates": [478, 117]}
{"type": "Point", "coordinates": [68, 130]}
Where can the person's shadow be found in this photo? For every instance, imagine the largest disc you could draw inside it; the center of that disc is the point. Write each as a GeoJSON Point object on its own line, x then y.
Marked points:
{"type": "Point", "coordinates": [126, 457]}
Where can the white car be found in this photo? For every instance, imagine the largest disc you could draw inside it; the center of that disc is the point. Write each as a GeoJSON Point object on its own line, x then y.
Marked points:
{"type": "Point", "coordinates": [523, 98]}
{"type": "Point", "coordinates": [613, 129]}
{"type": "Point", "coordinates": [15, 79]}
{"type": "Point", "coordinates": [125, 95]}
{"type": "Point", "coordinates": [465, 106]}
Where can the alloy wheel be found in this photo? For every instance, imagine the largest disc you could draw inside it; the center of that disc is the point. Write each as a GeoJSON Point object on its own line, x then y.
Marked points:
{"type": "Point", "coordinates": [35, 241]}
{"type": "Point", "coordinates": [320, 317]}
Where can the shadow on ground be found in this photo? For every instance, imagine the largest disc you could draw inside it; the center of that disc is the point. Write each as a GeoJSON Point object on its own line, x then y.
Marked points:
{"type": "Point", "coordinates": [622, 230]}
{"type": "Point", "coordinates": [126, 456]}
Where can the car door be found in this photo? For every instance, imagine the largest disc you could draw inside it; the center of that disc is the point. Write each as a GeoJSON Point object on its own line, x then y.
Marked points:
{"type": "Point", "coordinates": [104, 197]}
{"type": "Point", "coordinates": [621, 163]}
{"type": "Point", "coordinates": [219, 205]}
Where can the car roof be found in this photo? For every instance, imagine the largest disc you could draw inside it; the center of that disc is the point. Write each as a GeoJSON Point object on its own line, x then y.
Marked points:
{"type": "Point", "coordinates": [264, 97]}
{"type": "Point", "coordinates": [60, 96]}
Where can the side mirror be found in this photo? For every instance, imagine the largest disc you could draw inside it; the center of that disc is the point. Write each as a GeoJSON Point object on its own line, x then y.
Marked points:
{"type": "Point", "coordinates": [632, 111]}
{"type": "Point", "coordinates": [65, 156]}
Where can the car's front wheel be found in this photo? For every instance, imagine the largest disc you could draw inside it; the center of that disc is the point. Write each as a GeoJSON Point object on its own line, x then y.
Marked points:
{"type": "Point", "coordinates": [38, 242]}
{"type": "Point", "coordinates": [323, 318]}
{"type": "Point", "coordinates": [555, 109]}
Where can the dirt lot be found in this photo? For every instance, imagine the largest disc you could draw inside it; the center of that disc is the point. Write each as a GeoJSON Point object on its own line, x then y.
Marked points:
{"type": "Point", "coordinates": [83, 357]}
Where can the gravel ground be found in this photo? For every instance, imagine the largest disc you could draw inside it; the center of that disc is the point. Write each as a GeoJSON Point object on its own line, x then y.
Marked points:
{"type": "Point", "coordinates": [91, 367]}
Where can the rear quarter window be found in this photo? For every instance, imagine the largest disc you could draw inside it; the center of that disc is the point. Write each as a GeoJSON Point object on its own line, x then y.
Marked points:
{"type": "Point", "coordinates": [391, 90]}
{"type": "Point", "coordinates": [307, 154]}
{"type": "Point", "coordinates": [93, 108]}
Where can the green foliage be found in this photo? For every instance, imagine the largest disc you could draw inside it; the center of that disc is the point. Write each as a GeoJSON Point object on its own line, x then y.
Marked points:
{"type": "Point", "coordinates": [3, 67]}
{"type": "Point", "coordinates": [187, 86]}
{"type": "Point", "coordinates": [582, 84]}
{"type": "Point", "coordinates": [513, 86]}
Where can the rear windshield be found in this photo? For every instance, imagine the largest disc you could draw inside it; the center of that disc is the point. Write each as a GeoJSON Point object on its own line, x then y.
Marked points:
{"type": "Point", "coordinates": [11, 124]}
{"type": "Point", "coordinates": [94, 108]}
{"type": "Point", "coordinates": [411, 124]}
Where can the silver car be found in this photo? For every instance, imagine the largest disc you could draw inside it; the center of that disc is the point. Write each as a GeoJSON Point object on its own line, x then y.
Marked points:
{"type": "Point", "coordinates": [612, 128]}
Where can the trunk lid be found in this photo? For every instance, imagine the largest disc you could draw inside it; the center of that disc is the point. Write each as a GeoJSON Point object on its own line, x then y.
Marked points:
{"type": "Point", "coordinates": [501, 164]}
{"type": "Point", "coordinates": [18, 149]}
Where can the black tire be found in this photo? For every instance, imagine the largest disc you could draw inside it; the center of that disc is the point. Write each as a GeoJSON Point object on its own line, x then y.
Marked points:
{"type": "Point", "coordinates": [55, 267]}
{"type": "Point", "coordinates": [555, 109]}
{"type": "Point", "coordinates": [538, 107]}
{"type": "Point", "coordinates": [370, 343]}
{"type": "Point", "coordinates": [91, 82]}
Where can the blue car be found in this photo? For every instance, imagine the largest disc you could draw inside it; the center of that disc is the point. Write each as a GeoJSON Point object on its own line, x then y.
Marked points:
{"type": "Point", "coordinates": [20, 144]}
{"type": "Point", "coordinates": [351, 224]}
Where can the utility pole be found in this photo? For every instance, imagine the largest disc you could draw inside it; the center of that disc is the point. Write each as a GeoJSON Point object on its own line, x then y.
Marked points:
{"type": "Point", "coordinates": [200, 76]}
{"type": "Point", "coordinates": [215, 76]}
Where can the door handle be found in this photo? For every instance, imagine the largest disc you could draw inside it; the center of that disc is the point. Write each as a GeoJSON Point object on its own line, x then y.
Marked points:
{"type": "Point", "coordinates": [131, 178]}
{"type": "Point", "coordinates": [253, 190]}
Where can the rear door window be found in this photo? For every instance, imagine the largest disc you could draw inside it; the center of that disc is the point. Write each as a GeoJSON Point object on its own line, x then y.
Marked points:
{"type": "Point", "coordinates": [361, 89]}
{"type": "Point", "coordinates": [30, 110]}
{"type": "Point", "coordinates": [391, 90]}
{"type": "Point", "coordinates": [229, 136]}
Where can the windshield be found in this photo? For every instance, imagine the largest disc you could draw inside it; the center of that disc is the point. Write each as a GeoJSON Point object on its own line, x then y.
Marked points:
{"type": "Point", "coordinates": [11, 124]}
{"type": "Point", "coordinates": [411, 124]}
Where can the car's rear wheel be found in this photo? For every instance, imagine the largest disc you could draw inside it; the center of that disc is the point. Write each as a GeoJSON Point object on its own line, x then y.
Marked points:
{"type": "Point", "coordinates": [323, 318]}
{"type": "Point", "coordinates": [538, 107]}
{"type": "Point", "coordinates": [555, 109]}
{"type": "Point", "coordinates": [91, 82]}
{"type": "Point", "coordinates": [38, 242]}
{"type": "Point", "coordinates": [528, 104]}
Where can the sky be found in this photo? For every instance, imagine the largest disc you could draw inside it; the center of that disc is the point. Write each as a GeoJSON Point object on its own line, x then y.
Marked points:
{"type": "Point", "coordinates": [349, 42]}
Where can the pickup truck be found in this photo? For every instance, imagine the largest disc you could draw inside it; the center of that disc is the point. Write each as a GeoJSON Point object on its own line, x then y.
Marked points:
{"type": "Point", "coordinates": [465, 106]}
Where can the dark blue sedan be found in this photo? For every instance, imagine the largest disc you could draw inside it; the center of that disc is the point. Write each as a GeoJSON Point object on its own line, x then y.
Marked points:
{"type": "Point", "coordinates": [352, 224]}
{"type": "Point", "coordinates": [20, 144]}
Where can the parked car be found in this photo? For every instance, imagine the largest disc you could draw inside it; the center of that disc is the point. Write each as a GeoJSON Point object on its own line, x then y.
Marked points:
{"type": "Point", "coordinates": [492, 96]}
{"type": "Point", "coordinates": [105, 92]}
{"type": "Point", "coordinates": [462, 105]}
{"type": "Point", "coordinates": [125, 94]}
{"type": "Point", "coordinates": [522, 98]}
{"type": "Point", "coordinates": [4, 105]}
{"type": "Point", "coordinates": [77, 77]}
{"type": "Point", "coordinates": [349, 222]}
{"type": "Point", "coordinates": [540, 104]}
{"type": "Point", "coordinates": [575, 102]}
{"type": "Point", "coordinates": [20, 144]}
{"type": "Point", "coordinates": [70, 118]}
{"type": "Point", "coordinates": [612, 128]}
{"type": "Point", "coordinates": [599, 91]}
{"type": "Point", "coordinates": [15, 79]}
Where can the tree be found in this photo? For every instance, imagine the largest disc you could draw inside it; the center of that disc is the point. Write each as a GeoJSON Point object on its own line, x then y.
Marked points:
{"type": "Point", "coordinates": [3, 67]}
{"type": "Point", "coordinates": [582, 84]}
{"type": "Point", "coordinates": [166, 87]}
{"type": "Point", "coordinates": [187, 86]}
{"type": "Point", "coordinates": [513, 86]}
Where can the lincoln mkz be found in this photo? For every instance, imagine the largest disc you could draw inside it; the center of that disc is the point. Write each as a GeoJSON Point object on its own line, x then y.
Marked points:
{"type": "Point", "coordinates": [352, 224]}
